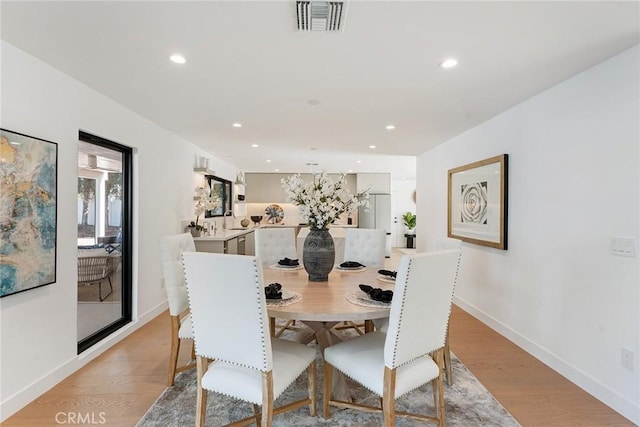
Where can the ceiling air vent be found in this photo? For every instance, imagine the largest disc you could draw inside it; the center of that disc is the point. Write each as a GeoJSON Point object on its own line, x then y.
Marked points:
{"type": "Point", "coordinates": [319, 15]}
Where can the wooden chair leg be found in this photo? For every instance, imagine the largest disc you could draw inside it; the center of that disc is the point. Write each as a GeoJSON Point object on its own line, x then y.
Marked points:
{"type": "Point", "coordinates": [201, 396]}
{"type": "Point", "coordinates": [326, 389]}
{"type": "Point", "coordinates": [447, 360]}
{"type": "Point", "coordinates": [175, 348]}
{"type": "Point", "coordinates": [312, 388]}
{"type": "Point", "coordinates": [389, 397]}
{"type": "Point", "coordinates": [440, 387]}
{"type": "Point", "coordinates": [272, 326]}
{"type": "Point", "coordinates": [267, 399]}
{"type": "Point", "coordinates": [257, 415]}
{"type": "Point", "coordinates": [368, 326]}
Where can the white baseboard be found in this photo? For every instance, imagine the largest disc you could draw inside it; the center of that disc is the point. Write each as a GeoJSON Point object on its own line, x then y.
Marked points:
{"type": "Point", "coordinates": [17, 401]}
{"type": "Point", "coordinates": [622, 405]}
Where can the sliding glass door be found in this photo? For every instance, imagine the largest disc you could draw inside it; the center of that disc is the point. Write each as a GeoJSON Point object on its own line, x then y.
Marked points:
{"type": "Point", "coordinates": [104, 238]}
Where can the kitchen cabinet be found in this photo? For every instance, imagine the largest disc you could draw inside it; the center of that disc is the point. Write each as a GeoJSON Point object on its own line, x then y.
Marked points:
{"type": "Point", "coordinates": [377, 183]}
{"type": "Point", "coordinates": [250, 244]}
{"type": "Point", "coordinates": [231, 246]}
{"type": "Point", "coordinates": [267, 187]}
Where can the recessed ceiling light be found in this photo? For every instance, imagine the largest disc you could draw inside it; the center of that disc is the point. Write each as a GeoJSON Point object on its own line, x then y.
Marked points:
{"type": "Point", "coordinates": [237, 125]}
{"type": "Point", "coordinates": [372, 146]}
{"type": "Point", "coordinates": [268, 161]}
{"type": "Point", "coordinates": [391, 127]}
{"type": "Point", "coordinates": [255, 145]}
{"type": "Point", "coordinates": [178, 59]}
{"type": "Point", "coordinates": [358, 161]}
{"type": "Point", "coordinates": [449, 63]}
{"type": "Point", "coordinates": [277, 170]}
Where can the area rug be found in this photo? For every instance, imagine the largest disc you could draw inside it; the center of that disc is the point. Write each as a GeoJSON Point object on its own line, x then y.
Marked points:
{"type": "Point", "coordinates": [468, 404]}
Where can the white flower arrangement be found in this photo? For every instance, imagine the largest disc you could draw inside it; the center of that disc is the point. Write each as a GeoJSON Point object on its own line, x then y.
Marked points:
{"type": "Point", "coordinates": [322, 201]}
{"type": "Point", "coordinates": [204, 202]}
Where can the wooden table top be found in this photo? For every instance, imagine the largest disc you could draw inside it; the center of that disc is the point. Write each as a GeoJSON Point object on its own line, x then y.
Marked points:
{"type": "Point", "coordinates": [326, 301]}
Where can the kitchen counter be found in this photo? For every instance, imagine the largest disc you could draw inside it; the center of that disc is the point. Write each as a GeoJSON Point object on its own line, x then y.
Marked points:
{"type": "Point", "coordinates": [222, 235]}
{"type": "Point", "coordinates": [229, 241]}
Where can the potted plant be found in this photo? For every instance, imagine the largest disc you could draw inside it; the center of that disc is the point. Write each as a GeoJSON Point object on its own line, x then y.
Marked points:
{"type": "Point", "coordinates": [195, 228]}
{"type": "Point", "coordinates": [204, 202]}
{"type": "Point", "coordinates": [409, 220]}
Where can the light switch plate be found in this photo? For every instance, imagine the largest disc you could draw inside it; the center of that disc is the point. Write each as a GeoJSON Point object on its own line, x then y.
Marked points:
{"type": "Point", "coordinates": [623, 246]}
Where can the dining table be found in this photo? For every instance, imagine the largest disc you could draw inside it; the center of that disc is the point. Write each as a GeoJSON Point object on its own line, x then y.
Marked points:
{"type": "Point", "coordinates": [322, 306]}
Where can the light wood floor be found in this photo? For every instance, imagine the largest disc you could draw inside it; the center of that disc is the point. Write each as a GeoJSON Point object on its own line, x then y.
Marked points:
{"type": "Point", "coordinates": [125, 381]}
{"type": "Point", "coordinates": [121, 384]}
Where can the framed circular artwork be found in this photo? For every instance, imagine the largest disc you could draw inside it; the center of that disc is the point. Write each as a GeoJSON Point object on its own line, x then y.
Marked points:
{"type": "Point", "coordinates": [274, 213]}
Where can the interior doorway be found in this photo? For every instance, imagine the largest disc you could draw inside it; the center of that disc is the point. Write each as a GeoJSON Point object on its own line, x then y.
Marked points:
{"type": "Point", "coordinates": [104, 238]}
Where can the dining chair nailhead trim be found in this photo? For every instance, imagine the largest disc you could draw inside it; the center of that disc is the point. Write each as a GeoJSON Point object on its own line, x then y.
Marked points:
{"type": "Point", "coordinates": [404, 290]}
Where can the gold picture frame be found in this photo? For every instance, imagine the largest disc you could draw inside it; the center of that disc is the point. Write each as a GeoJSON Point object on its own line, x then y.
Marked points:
{"type": "Point", "coordinates": [477, 202]}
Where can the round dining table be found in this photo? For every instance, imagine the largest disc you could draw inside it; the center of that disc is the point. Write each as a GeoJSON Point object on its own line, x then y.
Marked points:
{"type": "Point", "coordinates": [323, 305]}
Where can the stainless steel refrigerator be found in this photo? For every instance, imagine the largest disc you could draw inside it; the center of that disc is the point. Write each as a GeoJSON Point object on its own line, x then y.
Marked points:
{"type": "Point", "coordinates": [378, 215]}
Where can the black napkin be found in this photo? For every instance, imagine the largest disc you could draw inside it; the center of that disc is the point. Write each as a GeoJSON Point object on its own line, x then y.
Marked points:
{"type": "Point", "coordinates": [388, 273]}
{"type": "Point", "coordinates": [288, 262]}
{"type": "Point", "coordinates": [351, 264]}
{"type": "Point", "coordinates": [272, 291]}
{"type": "Point", "coordinates": [377, 294]}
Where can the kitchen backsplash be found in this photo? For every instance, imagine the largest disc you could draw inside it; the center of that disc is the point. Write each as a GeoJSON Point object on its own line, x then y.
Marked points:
{"type": "Point", "coordinates": [292, 215]}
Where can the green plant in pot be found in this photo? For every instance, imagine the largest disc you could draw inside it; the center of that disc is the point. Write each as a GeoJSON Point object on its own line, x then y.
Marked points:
{"type": "Point", "coordinates": [194, 226]}
{"type": "Point", "coordinates": [409, 220]}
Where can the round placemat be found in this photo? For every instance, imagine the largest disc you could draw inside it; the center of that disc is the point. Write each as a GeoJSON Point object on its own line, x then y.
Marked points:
{"type": "Point", "coordinates": [281, 303]}
{"type": "Point", "coordinates": [355, 299]}
{"type": "Point", "coordinates": [349, 270]}
{"type": "Point", "coordinates": [281, 268]}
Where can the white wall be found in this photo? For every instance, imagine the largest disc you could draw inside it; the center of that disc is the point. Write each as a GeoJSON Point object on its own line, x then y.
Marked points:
{"type": "Point", "coordinates": [573, 183]}
{"type": "Point", "coordinates": [38, 327]}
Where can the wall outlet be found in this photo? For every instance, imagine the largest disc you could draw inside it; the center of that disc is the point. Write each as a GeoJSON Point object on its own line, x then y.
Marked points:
{"type": "Point", "coordinates": [626, 358]}
{"type": "Point", "coordinates": [622, 246]}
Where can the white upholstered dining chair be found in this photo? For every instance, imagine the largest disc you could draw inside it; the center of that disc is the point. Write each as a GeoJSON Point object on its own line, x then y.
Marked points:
{"type": "Point", "coordinates": [171, 248]}
{"type": "Point", "coordinates": [366, 246]}
{"type": "Point", "coordinates": [443, 244]}
{"type": "Point", "coordinates": [274, 244]}
{"type": "Point", "coordinates": [243, 362]}
{"type": "Point", "coordinates": [383, 324]}
{"type": "Point", "coordinates": [410, 353]}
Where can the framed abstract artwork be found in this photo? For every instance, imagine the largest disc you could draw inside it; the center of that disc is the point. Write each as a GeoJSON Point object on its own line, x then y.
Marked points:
{"type": "Point", "coordinates": [477, 202]}
{"type": "Point", "coordinates": [28, 212]}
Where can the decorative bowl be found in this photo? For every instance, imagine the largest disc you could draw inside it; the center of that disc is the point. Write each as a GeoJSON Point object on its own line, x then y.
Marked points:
{"type": "Point", "coordinates": [256, 219]}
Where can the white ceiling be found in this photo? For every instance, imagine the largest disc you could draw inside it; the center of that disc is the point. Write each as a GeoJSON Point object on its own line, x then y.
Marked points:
{"type": "Point", "coordinates": [247, 63]}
